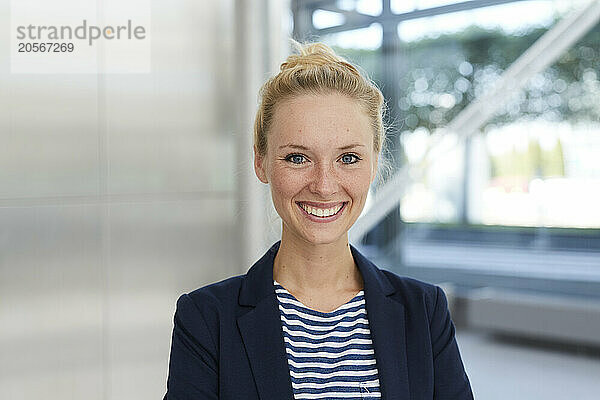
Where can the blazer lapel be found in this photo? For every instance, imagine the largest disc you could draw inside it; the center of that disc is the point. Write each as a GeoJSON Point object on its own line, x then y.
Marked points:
{"type": "Point", "coordinates": [387, 324]}
{"type": "Point", "coordinates": [260, 327]}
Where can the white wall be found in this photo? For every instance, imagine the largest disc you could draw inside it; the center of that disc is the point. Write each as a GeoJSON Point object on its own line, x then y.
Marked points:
{"type": "Point", "coordinates": [118, 193]}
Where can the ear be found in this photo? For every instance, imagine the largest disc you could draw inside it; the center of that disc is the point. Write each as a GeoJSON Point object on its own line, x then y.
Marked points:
{"type": "Point", "coordinates": [259, 169]}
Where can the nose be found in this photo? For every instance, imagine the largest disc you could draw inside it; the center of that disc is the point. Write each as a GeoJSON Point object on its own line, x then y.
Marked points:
{"type": "Point", "coordinates": [324, 181]}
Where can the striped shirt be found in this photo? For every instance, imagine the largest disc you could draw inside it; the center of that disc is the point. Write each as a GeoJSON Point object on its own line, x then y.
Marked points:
{"type": "Point", "coordinates": [330, 354]}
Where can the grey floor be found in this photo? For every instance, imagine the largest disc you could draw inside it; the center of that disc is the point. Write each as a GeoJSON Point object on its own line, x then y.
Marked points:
{"type": "Point", "coordinates": [511, 370]}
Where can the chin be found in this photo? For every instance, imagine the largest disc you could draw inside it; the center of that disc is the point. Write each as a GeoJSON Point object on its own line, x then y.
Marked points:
{"type": "Point", "coordinates": [325, 238]}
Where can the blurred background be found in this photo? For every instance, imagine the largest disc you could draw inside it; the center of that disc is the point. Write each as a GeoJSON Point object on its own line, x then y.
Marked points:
{"type": "Point", "coordinates": [119, 192]}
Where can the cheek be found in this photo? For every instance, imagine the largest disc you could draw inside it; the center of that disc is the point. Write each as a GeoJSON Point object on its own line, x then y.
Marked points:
{"type": "Point", "coordinates": [285, 185]}
{"type": "Point", "coordinates": [358, 182]}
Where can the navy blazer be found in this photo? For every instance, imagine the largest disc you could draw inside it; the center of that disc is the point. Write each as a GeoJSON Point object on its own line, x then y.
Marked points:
{"type": "Point", "coordinates": [228, 341]}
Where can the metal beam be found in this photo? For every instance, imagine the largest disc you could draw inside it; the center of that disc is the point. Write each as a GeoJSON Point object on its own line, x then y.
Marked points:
{"type": "Point", "coordinates": [538, 57]}
{"type": "Point", "coordinates": [355, 20]}
{"type": "Point", "coordinates": [545, 51]}
{"type": "Point", "coordinates": [303, 26]}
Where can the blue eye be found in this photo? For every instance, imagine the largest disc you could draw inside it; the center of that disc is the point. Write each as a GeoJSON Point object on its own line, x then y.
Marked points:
{"type": "Point", "coordinates": [357, 158]}
{"type": "Point", "coordinates": [292, 157]}
{"type": "Point", "coordinates": [297, 159]}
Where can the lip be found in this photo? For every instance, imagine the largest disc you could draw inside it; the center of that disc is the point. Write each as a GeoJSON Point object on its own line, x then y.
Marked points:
{"type": "Point", "coordinates": [314, 218]}
{"type": "Point", "coordinates": [321, 205]}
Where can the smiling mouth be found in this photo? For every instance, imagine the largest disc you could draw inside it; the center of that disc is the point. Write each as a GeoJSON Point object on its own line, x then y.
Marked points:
{"type": "Point", "coordinates": [322, 213]}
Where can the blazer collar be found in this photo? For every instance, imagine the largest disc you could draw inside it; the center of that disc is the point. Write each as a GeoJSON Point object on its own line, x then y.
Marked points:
{"type": "Point", "coordinates": [260, 328]}
{"type": "Point", "coordinates": [258, 282]}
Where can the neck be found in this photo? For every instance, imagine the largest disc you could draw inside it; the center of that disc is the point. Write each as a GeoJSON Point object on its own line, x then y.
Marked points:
{"type": "Point", "coordinates": [316, 267]}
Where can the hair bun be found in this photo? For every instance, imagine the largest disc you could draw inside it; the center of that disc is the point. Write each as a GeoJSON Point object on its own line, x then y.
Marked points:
{"type": "Point", "coordinates": [315, 55]}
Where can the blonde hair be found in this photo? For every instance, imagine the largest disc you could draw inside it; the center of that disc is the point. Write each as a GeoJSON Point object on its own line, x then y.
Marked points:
{"type": "Point", "coordinates": [317, 69]}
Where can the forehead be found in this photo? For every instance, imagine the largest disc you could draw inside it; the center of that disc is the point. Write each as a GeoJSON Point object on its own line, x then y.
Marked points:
{"type": "Point", "coordinates": [320, 119]}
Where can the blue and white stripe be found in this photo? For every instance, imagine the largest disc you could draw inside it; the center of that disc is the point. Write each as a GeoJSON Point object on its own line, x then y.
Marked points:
{"type": "Point", "coordinates": [330, 355]}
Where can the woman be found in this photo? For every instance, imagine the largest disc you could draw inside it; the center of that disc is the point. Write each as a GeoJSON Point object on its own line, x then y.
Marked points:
{"type": "Point", "coordinates": [313, 318]}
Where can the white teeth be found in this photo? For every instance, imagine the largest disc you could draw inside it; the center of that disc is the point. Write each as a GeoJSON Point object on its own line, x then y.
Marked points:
{"type": "Point", "coordinates": [319, 212]}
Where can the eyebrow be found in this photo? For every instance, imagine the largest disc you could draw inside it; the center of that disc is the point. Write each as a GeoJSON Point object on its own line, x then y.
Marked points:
{"type": "Point", "coordinates": [298, 146]}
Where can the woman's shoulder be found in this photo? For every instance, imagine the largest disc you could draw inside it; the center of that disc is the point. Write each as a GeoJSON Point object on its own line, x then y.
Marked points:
{"type": "Point", "coordinates": [412, 285]}
{"type": "Point", "coordinates": [414, 293]}
{"type": "Point", "coordinates": [222, 296]}
{"type": "Point", "coordinates": [216, 294]}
